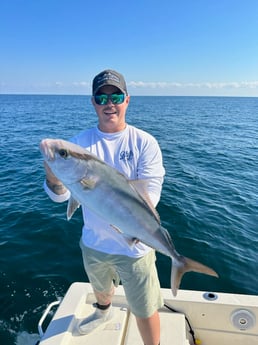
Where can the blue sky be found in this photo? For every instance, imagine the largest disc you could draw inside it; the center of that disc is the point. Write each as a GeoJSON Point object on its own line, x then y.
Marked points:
{"type": "Point", "coordinates": [170, 47]}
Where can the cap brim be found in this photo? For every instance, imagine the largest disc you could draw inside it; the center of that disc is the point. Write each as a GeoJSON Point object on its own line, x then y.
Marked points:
{"type": "Point", "coordinates": [109, 84]}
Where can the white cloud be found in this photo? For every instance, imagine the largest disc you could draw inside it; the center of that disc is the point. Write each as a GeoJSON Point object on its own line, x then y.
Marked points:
{"type": "Point", "coordinates": [205, 85]}
{"type": "Point", "coordinates": [81, 83]}
{"type": "Point", "coordinates": [243, 88]}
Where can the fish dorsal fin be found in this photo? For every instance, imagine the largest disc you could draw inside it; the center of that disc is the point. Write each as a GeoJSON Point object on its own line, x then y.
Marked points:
{"type": "Point", "coordinates": [72, 207]}
{"type": "Point", "coordinates": [141, 187]}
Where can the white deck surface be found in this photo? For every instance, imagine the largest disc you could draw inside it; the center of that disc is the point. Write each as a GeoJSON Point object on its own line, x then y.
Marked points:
{"type": "Point", "coordinates": [211, 320]}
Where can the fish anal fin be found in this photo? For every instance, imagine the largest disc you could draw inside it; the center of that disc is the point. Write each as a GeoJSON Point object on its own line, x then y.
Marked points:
{"type": "Point", "coordinates": [131, 240]}
{"type": "Point", "coordinates": [141, 187]}
{"type": "Point", "coordinates": [72, 207]}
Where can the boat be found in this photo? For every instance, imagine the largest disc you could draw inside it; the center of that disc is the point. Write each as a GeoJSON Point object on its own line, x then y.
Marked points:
{"type": "Point", "coordinates": [192, 317]}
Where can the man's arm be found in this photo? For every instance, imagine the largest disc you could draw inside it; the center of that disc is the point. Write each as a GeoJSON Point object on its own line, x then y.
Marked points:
{"type": "Point", "coordinates": [151, 168]}
{"type": "Point", "coordinates": [54, 187]}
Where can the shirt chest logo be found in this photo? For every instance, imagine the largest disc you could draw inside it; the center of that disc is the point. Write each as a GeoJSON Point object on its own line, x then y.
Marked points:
{"type": "Point", "coordinates": [126, 155]}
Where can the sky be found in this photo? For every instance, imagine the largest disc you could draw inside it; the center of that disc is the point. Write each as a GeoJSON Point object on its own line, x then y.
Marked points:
{"type": "Point", "coordinates": [162, 47]}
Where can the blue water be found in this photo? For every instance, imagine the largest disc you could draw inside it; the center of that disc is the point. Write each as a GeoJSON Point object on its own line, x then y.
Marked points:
{"type": "Point", "coordinates": [209, 201]}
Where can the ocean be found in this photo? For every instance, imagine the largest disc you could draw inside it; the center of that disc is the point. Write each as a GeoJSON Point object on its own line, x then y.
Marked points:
{"type": "Point", "coordinates": [209, 201]}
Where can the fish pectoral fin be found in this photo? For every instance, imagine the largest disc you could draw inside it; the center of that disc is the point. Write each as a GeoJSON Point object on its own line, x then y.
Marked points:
{"type": "Point", "coordinates": [88, 183]}
{"type": "Point", "coordinates": [72, 207]}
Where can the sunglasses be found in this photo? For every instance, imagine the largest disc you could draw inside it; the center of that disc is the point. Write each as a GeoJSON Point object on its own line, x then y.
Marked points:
{"type": "Point", "coordinates": [115, 98]}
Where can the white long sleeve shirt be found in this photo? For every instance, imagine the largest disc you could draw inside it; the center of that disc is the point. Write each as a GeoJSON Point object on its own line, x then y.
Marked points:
{"type": "Point", "coordinates": [137, 155]}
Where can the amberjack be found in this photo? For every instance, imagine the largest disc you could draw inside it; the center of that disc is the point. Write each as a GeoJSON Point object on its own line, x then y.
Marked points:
{"type": "Point", "coordinates": [122, 203]}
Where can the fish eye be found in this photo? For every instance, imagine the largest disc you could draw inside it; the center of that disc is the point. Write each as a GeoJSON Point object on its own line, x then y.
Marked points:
{"type": "Point", "coordinates": [63, 153]}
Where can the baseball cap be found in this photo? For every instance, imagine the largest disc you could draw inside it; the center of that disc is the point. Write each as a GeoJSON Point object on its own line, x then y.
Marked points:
{"type": "Point", "coordinates": [109, 77]}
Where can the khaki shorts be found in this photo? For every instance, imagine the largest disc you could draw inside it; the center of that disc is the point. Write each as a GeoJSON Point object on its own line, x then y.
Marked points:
{"type": "Point", "coordinates": [138, 276]}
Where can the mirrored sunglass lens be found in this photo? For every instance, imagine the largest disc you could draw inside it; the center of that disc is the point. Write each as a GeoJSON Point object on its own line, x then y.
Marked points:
{"type": "Point", "coordinates": [117, 98]}
{"type": "Point", "coordinates": [101, 99]}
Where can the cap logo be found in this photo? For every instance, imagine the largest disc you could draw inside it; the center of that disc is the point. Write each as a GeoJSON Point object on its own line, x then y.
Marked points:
{"type": "Point", "coordinates": [108, 76]}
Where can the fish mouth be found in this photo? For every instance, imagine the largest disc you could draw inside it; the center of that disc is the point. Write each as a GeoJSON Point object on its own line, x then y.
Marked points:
{"type": "Point", "coordinates": [46, 150]}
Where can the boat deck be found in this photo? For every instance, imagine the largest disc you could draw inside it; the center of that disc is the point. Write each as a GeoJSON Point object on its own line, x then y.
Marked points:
{"type": "Point", "coordinates": [215, 318]}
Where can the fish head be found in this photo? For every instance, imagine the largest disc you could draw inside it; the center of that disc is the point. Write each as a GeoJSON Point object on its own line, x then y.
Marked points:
{"type": "Point", "coordinates": [68, 162]}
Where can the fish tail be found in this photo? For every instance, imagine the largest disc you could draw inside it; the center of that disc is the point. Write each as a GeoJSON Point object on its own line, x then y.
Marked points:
{"type": "Point", "coordinates": [183, 265]}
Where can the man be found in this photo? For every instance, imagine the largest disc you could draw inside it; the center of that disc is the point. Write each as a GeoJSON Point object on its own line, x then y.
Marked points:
{"type": "Point", "coordinates": [107, 255]}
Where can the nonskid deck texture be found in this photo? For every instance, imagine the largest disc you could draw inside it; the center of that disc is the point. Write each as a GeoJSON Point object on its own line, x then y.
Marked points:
{"type": "Point", "coordinates": [223, 319]}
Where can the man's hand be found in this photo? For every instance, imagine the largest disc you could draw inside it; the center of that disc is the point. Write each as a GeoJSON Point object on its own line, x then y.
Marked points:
{"type": "Point", "coordinates": [53, 183]}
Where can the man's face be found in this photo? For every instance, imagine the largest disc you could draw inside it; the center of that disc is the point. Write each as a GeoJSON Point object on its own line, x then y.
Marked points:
{"type": "Point", "coordinates": [111, 116]}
